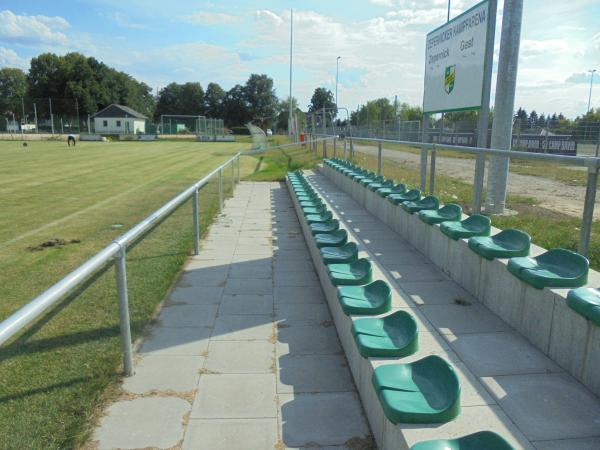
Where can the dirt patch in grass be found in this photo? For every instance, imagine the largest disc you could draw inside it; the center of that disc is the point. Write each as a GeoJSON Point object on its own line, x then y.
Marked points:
{"type": "Point", "coordinates": [53, 243]}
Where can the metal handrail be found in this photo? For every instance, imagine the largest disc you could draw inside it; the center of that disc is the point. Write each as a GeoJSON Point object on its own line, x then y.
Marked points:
{"type": "Point", "coordinates": [592, 164]}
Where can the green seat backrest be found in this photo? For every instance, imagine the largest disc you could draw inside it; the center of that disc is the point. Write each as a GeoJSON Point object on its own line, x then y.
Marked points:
{"type": "Point", "coordinates": [512, 239]}
{"type": "Point", "coordinates": [450, 210]}
{"type": "Point", "coordinates": [477, 221]}
{"type": "Point", "coordinates": [565, 261]}
{"type": "Point", "coordinates": [442, 392]}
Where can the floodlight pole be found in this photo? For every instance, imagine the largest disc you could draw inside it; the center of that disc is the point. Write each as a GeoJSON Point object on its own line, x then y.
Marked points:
{"type": "Point", "coordinates": [290, 120]}
{"type": "Point", "coordinates": [504, 104]}
{"type": "Point", "coordinates": [592, 71]}
{"type": "Point", "coordinates": [484, 111]}
{"type": "Point", "coordinates": [35, 117]}
{"type": "Point", "coordinates": [337, 77]}
{"type": "Point", "coordinates": [51, 116]}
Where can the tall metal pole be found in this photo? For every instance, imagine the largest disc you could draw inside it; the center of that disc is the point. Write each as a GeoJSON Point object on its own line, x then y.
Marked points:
{"type": "Point", "coordinates": [290, 117]}
{"type": "Point", "coordinates": [78, 123]}
{"type": "Point", "coordinates": [337, 77]}
{"type": "Point", "coordinates": [484, 112]}
{"type": "Point", "coordinates": [35, 118]}
{"type": "Point", "coordinates": [593, 71]}
{"type": "Point", "coordinates": [504, 104]}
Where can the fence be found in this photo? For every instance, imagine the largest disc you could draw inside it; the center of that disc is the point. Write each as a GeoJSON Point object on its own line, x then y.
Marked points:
{"type": "Point", "coordinates": [428, 159]}
{"type": "Point", "coordinates": [562, 137]}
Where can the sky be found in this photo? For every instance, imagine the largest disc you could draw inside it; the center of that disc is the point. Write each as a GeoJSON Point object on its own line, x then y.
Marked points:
{"type": "Point", "coordinates": [381, 44]}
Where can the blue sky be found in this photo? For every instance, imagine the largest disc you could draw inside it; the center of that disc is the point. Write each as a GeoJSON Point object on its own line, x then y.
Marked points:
{"type": "Point", "coordinates": [381, 43]}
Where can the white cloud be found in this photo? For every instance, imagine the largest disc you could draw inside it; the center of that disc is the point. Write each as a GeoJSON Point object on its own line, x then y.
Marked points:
{"type": "Point", "coordinates": [32, 30]}
{"type": "Point", "coordinates": [209, 18]}
{"type": "Point", "coordinates": [9, 58]}
{"type": "Point", "coordinates": [123, 21]}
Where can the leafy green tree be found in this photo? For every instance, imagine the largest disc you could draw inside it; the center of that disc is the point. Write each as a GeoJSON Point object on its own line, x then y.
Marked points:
{"type": "Point", "coordinates": [213, 100]}
{"type": "Point", "coordinates": [322, 98]}
{"type": "Point", "coordinates": [13, 89]}
{"type": "Point", "coordinates": [284, 112]}
{"type": "Point", "coordinates": [260, 97]}
{"type": "Point", "coordinates": [236, 110]}
{"type": "Point", "coordinates": [181, 99]}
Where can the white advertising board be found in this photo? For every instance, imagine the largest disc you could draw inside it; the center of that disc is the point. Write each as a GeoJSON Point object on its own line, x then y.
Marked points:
{"type": "Point", "coordinates": [454, 60]}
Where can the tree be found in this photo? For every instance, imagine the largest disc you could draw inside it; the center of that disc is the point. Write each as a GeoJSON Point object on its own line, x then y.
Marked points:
{"type": "Point", "coordinates": [180, 99]}
{"type": "Point", "coordinates": [236, 110]}
{"type": "Point", "coordinates": [213, 100]}
{"type": "Point", "coordinates": [374, 113]}
{"type": "Point", "coordinates": [13, 88]}
{"type": "Point", "coordinates": [284, 111]}
{"type": "Point", "coordinates": [322, 98]}
{"type": "Point", "coordinates": [260, 97]}
{"type": "Point", "coordinates": [410, 113]}
{"type": "Point", "coordinates": [533, 119]}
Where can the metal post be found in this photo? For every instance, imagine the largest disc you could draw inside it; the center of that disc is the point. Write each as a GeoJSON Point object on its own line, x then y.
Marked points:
{"type": "Point", "coordinates": [196, 223]}
{"type": "Point", "coordinates": [351, 150]}
{"type": "Point", "coordinates": [379, 157]}
{"type": "Point", "coordinates": [423, 165]}
{"type": "Point", "coordinates": [508, 62]}
{"type": "Point", "coordinates": [121, 274]}
{"type": "Point", "coordinates": [334, 146]}
{"type": "Point", "coordinates": [324, 147]}
{"type": "Point", "coordinates": [484, 112]}
{"type": "Point", "coordinates": [238, 168]}
{"type": "Point", "coordinates": [588, 210]}
{"type": "Point", "coordinates": [345, 150]}
{"type": "Point", "coordinates": [51, 116]}
{"type": "Point", "coordinates": [232, 175]}
{"type": "Point", "coordinates": [35, 116]}
{"type": "Point", "coordinates": [432, 171]}
{"type": "Point", "coordinates": [221, 189]}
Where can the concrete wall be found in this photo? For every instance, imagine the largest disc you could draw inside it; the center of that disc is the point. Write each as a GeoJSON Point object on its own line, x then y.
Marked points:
{"type": "Point", "coordinates": [540, 315]}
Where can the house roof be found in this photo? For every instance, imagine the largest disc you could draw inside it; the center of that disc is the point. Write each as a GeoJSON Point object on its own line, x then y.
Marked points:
{"type": "Point", "coordinates": [119, 111]}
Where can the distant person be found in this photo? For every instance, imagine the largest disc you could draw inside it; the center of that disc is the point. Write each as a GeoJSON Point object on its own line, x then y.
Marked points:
{"type": "Point", "coordinates": [71, 138]}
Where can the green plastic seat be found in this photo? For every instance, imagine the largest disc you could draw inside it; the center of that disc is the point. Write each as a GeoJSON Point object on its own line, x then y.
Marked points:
{"type": "Point", "coordinates": [384, 184]}
{"type": "Point", "coordinates": [355, 273]}
{"type": "Point", "coordinates": [334, 239]}
{"type": "Point", "coordinates": [585, 301]}
{"type": "Point", "coordinates": [367, 181]}
{"type": "Point", "coordinates": [558, 268]}
{"type": "Point", "coordinates": [314, 210]}
{"type": "Point", "coordinates": [319, 218]}
{"type": "Point", "coordinates": [307, 198]}
{"type": "Point", "coordinates": [358, 173]}
{"type": "Point", "coordinates": [311, 203]}
{"type": "Point", "coordinates": [429, 202]}
{"type": "Point", "coordinates": [506, 244]}
{"type": "Point", "coordinates": [344, 254]}
{"type": "Point", "coordinates": [475, 225]}
{"type": "Point", "coordinates": [325, 227]}
{"type": "Point", "coordinates": [395, 335]}
{"type": "Point", "coordinates": [449, 212]}
{"type": "Point", "coordinates": [397, 189]}
{"type": "Point", "coordinates": [408, 196]}
{"type": "Point", "coordinates": [362, 176]}
{"type": "Point", "coordinates": [482, 440]}
{"type": "Point", "coordinates": [373, 299]}
{"type": "Point", "coordinates": [425, 391]}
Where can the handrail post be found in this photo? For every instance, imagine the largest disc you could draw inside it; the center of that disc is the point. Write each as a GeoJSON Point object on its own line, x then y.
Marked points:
{"type": "Point", "coordinates": [196, 223]}
{"type": "Point", "coordinates": [232, 175]}
{"type": "Point", "coordinates": [238, 167]}
{"type": "Point", "coordinates": [478, 183]}
{"type": "Point", "coordinates": [325, 147]}
{"type": "Point", "coordinates": [432, 171]}
{"type": "Point", "coordinates": [588, 210]}
{"type": "Point", "coordinates": [121, 275]}
{"type": "Point", "coordinates": [221, 188]}
{"type": "Point", "coordinates": [334, 146]}
{"type": "Point", "coordinates": [344, 149]}
{"type": "Point", "coordinates": [379, 157]}
{"type": "Point", "coordinates": [351, 150]}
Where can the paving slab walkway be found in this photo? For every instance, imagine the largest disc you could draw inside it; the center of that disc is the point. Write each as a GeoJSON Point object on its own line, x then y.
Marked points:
{"type": "Point", "coordinates": [244, 355]}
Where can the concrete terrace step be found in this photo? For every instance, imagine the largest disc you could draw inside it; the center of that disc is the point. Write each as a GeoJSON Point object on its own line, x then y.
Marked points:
{"type": "Point", "coordinates": [508, 385]}
{"type": "Point", "coordinates": [244, 355]}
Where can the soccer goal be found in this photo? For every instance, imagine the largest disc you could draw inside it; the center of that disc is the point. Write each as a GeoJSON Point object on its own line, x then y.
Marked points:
{"type": "Point", "coordinates": [180, 124]}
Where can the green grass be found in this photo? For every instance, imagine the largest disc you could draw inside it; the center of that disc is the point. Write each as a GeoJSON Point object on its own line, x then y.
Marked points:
{"type": "Point", "coordinates": [548, 229]}
{"type": "Point", "coordinates": [55, 377]}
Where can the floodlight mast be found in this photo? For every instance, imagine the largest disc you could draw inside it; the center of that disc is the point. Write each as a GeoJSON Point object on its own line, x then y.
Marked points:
{"type": "Point", "coordinates": [290, 118]}
{"type": "Point", "coordinates": [592, 71]}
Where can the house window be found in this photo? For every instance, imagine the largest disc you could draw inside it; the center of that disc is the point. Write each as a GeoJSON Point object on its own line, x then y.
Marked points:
{"type": "Point", "coordinates": [105, 123]}
{"type": "Point", "coordinates": [119, 123]}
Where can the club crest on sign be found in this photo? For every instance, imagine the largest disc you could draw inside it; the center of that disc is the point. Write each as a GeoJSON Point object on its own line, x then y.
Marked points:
{"type": "Point", "coordinates": [449, 77]}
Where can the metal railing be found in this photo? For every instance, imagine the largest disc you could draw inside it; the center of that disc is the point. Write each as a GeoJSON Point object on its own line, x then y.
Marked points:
{"type": "Point", "coordinates": [591, 163]}
{"type": "Point", "coordinates": [116, 252]}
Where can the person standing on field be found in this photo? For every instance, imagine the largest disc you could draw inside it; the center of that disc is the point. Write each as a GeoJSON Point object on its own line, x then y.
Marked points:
{"type": "Point", "coordinates": [71, 138]}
